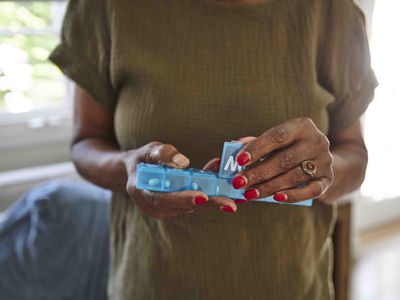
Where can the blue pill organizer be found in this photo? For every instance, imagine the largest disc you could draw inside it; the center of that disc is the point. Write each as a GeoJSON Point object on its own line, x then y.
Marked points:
{"type": "Point", "coordinates": [160, 178]}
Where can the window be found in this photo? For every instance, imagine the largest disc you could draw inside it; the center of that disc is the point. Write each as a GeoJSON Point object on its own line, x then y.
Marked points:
{"type": "Point", "coordinates": [382, 120]}
{"type": "Point", "coordinates": [378, 201]}
{"type": "Point", "coordinates": [28, 33]}
{"type": "Point", "coordinates": [35, 111]}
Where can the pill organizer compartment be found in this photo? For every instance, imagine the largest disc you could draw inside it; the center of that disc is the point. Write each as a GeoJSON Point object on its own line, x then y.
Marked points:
{"type": "Point", "coordinates": [204, 181]}
{"type": "Point", "coordinates": [150, 177]}
{"type": "Point", "coordinates": [177, 180]}
{"type": "Point", "coordinates": [225, 188]}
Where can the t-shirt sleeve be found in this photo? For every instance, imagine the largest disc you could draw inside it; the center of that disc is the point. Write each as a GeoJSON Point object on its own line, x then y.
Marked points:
{"type": "Point", "coordinates": [345, 64]}
{"type": "Point", "coordinates": [83, 53]}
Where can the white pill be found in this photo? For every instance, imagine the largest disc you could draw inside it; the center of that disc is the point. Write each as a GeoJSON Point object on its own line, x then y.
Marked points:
{"type": "Point", "coordinates": [167, 183]}
{"type": "Point", "coordinates": [195, 186]}
{"type": "Point", "coordinates": [154, 181]}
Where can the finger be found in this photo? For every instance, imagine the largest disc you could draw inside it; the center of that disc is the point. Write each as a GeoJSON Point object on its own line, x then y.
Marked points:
{"type": "Point", "coordinates": [239, 201]}
{"type": "Point", "coordinates": [291, 179]}
{"type": "Point", "coordinates": [312, 190]}
{"type": "Point", "coordinates": [147, 206]}
{"type": "Point", "coordinates": [166, 154]}
{"type": "Point", "coordinates": [275, 138]}
{"type": "Point", "coordinates": [221, 203]}
{"type": "Point", "coordinates": [154, 211]}
{"type": "Point", "coordinates": [175, 200]}
{"type": "Point", "coordinates": [277, 164]}
{"type": "Point", "coordinates": [246, 139]}
{"type": "Point", "coordinates": [213, 165]}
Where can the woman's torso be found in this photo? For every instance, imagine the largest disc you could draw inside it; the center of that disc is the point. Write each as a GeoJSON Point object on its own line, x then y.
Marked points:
{"type": "Point", "coordinates": [195, 73]}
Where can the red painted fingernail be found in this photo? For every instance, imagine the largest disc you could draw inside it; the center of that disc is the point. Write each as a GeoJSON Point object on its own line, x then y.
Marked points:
{"type": "Point", "coordinates": [227, 208]}
{"type": "Point", "coordinates": [239, 201]}
{"type": "Point", "coordinates": [200, 200]}
{"type": "Point", "coordinates": [251, 194]}
{"type": "Point", "coordinates": [239, 181]}
{"type": "Point", "coordinates": [243, 158]}
{"type": "Point", "coordinates": [218, 163]}
{"type": "Point", "coordinates": [281, 197]}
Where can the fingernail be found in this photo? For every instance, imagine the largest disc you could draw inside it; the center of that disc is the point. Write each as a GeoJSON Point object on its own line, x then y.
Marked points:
{"type": "Point", "coordinates": [239, 181]}
{"type": "Point", "coordinates": [239, 201]}
{"type": "Point", "coordinates": [227, 208]}
{"type": "Point", "coordinates": [243, 158]}
{"type": "Point", "coordinates": [280, 197]}
{"type": "Point", "coordinates": [218, 163]}
{"type": "Point", "coordinates": [251, 194]}
{"type": "Point", "coordinates": [180, 160]}
{"type": "Point", "coordinates": [200, 200]}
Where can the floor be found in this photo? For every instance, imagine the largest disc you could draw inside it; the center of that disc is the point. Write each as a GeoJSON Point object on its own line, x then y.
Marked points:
{"type": "Point", "coordinates": [376, 271]}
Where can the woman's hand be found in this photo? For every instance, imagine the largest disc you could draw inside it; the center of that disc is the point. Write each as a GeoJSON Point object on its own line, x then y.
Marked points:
{"type": "Point", "coordinates": [274, 163]}
{"type": "Point", "coordinates": [163, 205]}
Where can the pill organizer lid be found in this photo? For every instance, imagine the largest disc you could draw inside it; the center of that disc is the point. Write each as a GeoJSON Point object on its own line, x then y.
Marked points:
{"type": "Point", "coordinates": [143, 167]}
{"type": "Point", "coordinates": [203, 173]}
{"type": "Point", "coordinates": [230, 149]}
{"type": "Point", "coordinates": [176, 171]}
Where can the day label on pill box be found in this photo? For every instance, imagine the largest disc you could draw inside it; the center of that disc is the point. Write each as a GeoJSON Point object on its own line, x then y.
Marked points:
{"type": "Point", "coordinates": [229, 166]}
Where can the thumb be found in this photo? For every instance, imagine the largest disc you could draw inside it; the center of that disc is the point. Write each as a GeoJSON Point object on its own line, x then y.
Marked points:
{"type": "Point", "coordinates": [165, 154]}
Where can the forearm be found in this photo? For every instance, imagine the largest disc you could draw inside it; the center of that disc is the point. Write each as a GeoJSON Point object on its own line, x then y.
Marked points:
{"type": "Point", "coordinates": [349, 166]}
{"type": "Point", "coordinates": [101, 162]}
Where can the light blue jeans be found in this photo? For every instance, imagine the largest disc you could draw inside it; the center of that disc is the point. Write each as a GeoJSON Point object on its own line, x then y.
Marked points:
{"type": "Point", "coordinates": [54, 243]}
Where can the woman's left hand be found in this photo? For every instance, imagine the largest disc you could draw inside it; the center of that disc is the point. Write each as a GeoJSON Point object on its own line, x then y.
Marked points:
{"type": "Point", "coordinates": [274, 162]}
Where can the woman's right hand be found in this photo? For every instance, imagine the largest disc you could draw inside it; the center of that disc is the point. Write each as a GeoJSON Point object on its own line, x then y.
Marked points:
{"type": "Point", "coordinates": [163, 205]}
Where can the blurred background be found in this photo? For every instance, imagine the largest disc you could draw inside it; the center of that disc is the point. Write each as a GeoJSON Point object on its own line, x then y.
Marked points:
{"type": "Point", "coordinates": [35, 129]}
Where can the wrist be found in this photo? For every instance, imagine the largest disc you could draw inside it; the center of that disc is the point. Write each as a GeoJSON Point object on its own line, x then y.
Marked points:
{"type": "Point", "coordinates": [129, 161]}
{"type": "Point", "coordinates": [348, 170]}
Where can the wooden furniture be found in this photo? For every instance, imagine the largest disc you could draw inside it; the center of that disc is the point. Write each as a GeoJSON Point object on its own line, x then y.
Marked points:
{"type": "Point", "coordinates": [342, 251]}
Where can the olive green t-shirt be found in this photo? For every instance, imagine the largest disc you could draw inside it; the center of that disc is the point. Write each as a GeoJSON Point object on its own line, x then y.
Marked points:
{"type": "Point", "coordinates": [196, 73]}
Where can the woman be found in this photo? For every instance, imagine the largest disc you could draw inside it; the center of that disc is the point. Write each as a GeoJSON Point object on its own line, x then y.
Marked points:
{"type": "Point", "coordinates": [168, 82]}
